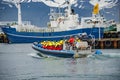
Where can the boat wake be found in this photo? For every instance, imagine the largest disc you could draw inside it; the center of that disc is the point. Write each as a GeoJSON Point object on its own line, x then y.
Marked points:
{"type": "Point", "coordinates": [93, 56]}
{"type": "Point", "coordinates": [34, 55]}
{"type": "Point", "coordinates": [112, 55]}
{"type": "Point", "coordinates": [105, 56]}
{"type": "Point", "coordinates": [41, 56]}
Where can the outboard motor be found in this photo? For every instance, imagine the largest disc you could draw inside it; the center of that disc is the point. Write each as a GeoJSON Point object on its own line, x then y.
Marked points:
{"type": "Point", "coordinates": [98, 52]}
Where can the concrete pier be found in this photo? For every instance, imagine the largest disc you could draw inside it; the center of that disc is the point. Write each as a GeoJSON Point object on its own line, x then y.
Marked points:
{"type": "Point", "coordinates": [109, 43]}
{"type": "Point", "coordinates": [3, 38]}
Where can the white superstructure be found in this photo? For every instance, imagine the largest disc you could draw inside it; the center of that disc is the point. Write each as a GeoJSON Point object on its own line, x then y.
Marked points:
{"type": "Point", "coordinates": [62, 21]}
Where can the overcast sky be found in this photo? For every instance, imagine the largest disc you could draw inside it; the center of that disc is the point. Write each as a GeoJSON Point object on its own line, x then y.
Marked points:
{"type": "Point", "coordinates": [37, 11]}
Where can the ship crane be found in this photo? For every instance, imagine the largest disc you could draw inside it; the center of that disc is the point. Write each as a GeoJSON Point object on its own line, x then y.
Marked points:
{"type": "Point", "coordinates": [17, 3]}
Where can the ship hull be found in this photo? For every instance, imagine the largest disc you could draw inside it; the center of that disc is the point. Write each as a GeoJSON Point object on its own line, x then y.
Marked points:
{"type": "Point", "coordinates": [30, 37]}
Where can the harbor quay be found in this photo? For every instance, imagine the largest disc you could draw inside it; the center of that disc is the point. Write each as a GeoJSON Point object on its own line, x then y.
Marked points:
{"type": "Point", "coordinates": [3, 38]}
{"type": "Point", "coordinates": [110, 40]}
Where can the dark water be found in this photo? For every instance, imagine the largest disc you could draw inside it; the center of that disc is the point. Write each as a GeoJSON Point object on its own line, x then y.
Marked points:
{"type": "Point", "coordinates": [20, 62]}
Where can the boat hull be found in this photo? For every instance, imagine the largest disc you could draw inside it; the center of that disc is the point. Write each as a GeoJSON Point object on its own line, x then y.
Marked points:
{"type": "Point", "coordinates": [30, 37]}
{"type": "Point", "coordinates": [55, 53]}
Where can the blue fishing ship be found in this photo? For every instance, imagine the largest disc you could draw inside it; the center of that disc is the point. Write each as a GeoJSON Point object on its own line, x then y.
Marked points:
{"type": "Point", "coordinates": [60, 25]}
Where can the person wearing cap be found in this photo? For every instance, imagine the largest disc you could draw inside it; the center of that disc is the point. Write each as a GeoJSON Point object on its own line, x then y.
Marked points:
{"type": "Point", "coordinates": [71, 40]}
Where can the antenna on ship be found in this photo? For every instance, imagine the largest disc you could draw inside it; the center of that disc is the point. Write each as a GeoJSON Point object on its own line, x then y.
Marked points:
{"type": "Point", "coordinates": [69, 7]}
{"type": "Point", "coordinates": [119, 14]}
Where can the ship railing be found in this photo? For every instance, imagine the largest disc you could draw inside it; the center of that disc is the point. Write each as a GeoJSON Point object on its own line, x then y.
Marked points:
{"type": "Point", "coordinates": [55, 15]}
{"type": "Point", "coordinates": [34, 29]}
{"type": "Point", "coordinates": [14, 23]}
{"type": "Point", "coordinates": [118, 27]}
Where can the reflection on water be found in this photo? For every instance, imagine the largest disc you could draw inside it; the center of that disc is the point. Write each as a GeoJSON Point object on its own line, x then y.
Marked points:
{"type": "Point", "coordinates": [21, 62]}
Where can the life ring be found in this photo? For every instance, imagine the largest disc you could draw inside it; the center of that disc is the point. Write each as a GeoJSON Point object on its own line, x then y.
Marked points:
{"type": "Point", "coordinates": [105, 35]}
{"type": "Point", "coordinates": [113, 35]}
{"type": "Point", "coordinates": [109, 35]}
{"type": "Point", "coordinates": [59, 19]}
{"type": "Point", "coordinates": [108, 43]}
{"type": "Point", "coordinates": [118, 44]}
{"type": "Point", "coordinates": [118, 34]}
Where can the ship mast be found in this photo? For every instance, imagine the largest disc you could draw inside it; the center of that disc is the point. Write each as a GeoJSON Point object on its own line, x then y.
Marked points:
{"type": "Point", "coordinates": [18, 5]}
{"type": "Point", "coordinates": [69, 7]}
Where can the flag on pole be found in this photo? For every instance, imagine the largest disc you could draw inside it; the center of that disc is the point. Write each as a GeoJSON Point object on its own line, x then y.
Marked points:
{"type": "Point", "coordinates": [96, 9]}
